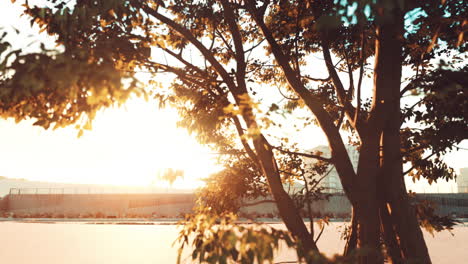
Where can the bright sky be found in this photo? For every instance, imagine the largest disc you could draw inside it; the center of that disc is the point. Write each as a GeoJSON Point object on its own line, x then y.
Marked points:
{"type": "Point", "coordinates": [126, 146]}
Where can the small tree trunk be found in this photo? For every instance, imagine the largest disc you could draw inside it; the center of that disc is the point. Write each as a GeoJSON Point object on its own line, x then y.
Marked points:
{"type": "Point", "coordinates": [368, 235]}
{"type": "Point", "coordinates": [287, 210]}
{"type": "Point", "coordinates": [367, 207]}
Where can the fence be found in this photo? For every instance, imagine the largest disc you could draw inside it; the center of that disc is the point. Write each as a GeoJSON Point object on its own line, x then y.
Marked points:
{"type": "Point", "coordinates": [130, 190]}
{"type": "Point", "coordinates": [422, 190]}
{"type": "Point", "coordinates": [83, 190]}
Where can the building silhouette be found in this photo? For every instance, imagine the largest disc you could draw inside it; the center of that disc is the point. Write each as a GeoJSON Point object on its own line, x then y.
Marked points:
{"type": "Point", "coordinates": [331, 183]}
{"type": "Point", "coordinates": [462, 181]}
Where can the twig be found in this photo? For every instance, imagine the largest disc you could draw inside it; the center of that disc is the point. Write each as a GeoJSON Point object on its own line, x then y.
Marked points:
{"type": "Point", "coordinates": [303, 154]}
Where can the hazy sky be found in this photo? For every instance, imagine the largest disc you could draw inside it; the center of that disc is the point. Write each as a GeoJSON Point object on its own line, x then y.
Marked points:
{"type": "Point", "coordinates": [126, 146]}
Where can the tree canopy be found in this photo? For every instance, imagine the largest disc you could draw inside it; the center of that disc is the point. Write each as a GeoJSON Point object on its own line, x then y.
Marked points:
{"type": "Point", "coordinates": [389, 77]}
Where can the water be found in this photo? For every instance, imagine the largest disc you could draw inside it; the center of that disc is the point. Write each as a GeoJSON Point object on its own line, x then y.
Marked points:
{"type": "Point", "coordinates": [81, 243]}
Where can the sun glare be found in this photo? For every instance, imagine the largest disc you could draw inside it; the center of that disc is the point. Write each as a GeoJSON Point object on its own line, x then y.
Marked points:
{"type": "Point", "coordinates": [127, 146]}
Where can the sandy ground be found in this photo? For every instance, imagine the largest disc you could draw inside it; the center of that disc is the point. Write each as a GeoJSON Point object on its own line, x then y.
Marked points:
{"type": "Point", "coordinates": [82, 243]}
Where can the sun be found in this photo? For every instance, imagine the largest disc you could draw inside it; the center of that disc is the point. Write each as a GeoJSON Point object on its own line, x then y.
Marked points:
{"type": "Point", "coordinates": [126, 146]}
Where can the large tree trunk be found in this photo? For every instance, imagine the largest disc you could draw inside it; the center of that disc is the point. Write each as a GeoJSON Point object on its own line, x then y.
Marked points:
{"type": "Point", "coordinates": [401, 212]}
{"type": "Point", "coordinates": [387, 81]}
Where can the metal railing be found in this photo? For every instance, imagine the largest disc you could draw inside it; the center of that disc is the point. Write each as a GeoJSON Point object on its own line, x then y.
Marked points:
{"type": "Point", "coordinates": [82, 190]}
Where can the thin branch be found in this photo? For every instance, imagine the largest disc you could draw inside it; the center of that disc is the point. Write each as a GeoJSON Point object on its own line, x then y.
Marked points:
{"type": "Point", "coordinates": [183, 75]}
{"type": "Point", "coordinates": [340, 121]}
{"type": "Point", "coordinates": [229, 16]}
{"type": "Point", "coordinates": [420, 147]}
{"type": "Point", "coordinates": [213, 40]}
{"type": "Point", "coordinates": [407, 88]}
{"type": "Point", "coordinates": [182, 60]}
{"type": "Point", "coordinates": [290, 174]}
{"type": "Point", "coordinates": [320, 234]}
{"type": "Point", "coordinates": [408, 110]}
{"type": "Point", "coordinates": [414, 166]}
{"type": "Point", "coordinates": [296, 47]}
{"type": "Point", "coordinates": [248, 149]}
{"type": "Point", "coordinates": [361, 74]}
{"type": "Point", "coordinates": [192, 39]}
{"type": "Point", "coordinates": [228, 45]}
{"type": "Point", "coordinates": [318, 79]}
{"type": "Point", "coordinates": [254, 46]}
{"type": "Point", "coordinates": [285, 96]}
{"type": "Point", "coordinates": [339, 88]}
{"type": "Point", "coordinates": [318, 157]}
{"type": "Point", "coordinates": [309, 209]}
{"type": "Point", "coordinates": [350, 74]}
{"type": "Point", "coordinates": [257, 203]}
{"type": "Point", "coordinates": [323, 177]}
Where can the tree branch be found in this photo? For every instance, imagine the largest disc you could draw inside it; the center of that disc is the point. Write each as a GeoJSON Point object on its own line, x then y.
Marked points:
{"type": "Point", "coordinates": [318, 157]}
{"type": "Point", "coordinates": [230, 18]}
{"type": "Point", "coordinates": [248, 149]}
{"type": "Point", "coordinates": [361, 73]}
{"type": "Point", "coordinates": [257, 203]}
{"type": "Point", "coordinates": [192, 39]}
{"type": "Point", "coordinates": [309, 209]}
{"type": "Point", "coordinates": [228, 45]}
{"type": "Point", "coordinates": [318, 79]}
{"type": "Point", "coordinates": [320, 234]}
{"type": "Point", "coordinates": [414, 166]}
{"type": "Point", "coordinates": [339, 88]}
{"type": "Point", "coordinates": [344, 166]}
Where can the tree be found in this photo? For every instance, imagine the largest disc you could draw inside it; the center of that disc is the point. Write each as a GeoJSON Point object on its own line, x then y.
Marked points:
{"type": "Point", "coordinates": [170, 175]}
{"type": "Point", "coordinates": [223, 52]}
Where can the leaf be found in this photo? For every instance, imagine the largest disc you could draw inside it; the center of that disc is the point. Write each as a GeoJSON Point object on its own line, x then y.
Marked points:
{"type": "Point", "coordinates": [112, 13]}
{"type": "Point", "coordinates": [40, 123]}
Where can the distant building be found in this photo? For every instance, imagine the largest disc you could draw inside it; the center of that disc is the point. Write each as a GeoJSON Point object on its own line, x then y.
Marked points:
{"type": "Point", "coordinates": [331, 183]}
{"type": "Point", "coordinates": [293, 187]}
{"type": "Point", "coordinates": [462, 181]}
